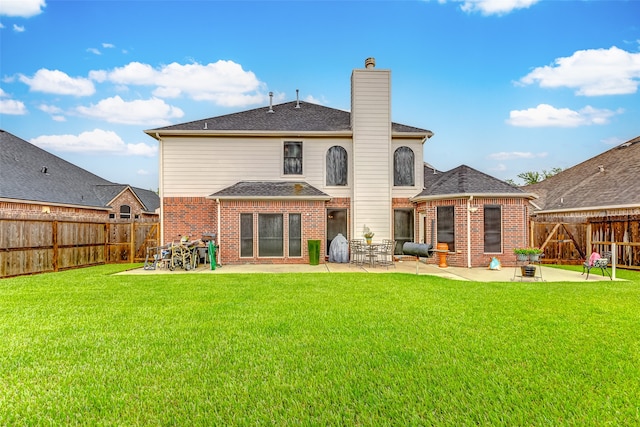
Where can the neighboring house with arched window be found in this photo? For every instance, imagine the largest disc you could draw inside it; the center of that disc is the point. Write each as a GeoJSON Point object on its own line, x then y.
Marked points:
{"type": "Point", "coordinates": [35, 184]}
{"type": "Point", "coordinates": [267, 180]}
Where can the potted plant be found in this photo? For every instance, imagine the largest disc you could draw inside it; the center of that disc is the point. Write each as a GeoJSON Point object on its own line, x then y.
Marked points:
{"type": "Point", "coordinates": [534, 254]}
{"type": "Point", "coordinates": [368, 234]}
{"type": "Point", "coordinates": [522, 254]}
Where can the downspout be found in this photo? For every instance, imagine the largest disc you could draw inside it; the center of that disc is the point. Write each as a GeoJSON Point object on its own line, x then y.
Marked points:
{"type": "Point", "coordinates": [218, 233]}
{"type": "Point", "coordinates": [469, 231]}
{"type": "Point", "coordinates": [160, 192]}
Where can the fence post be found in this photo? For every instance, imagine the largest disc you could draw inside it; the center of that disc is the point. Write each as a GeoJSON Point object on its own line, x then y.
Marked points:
{"type": "Point", "coordinates": [54, 242]}
{"type": "Point", "coordinates": [132, 244]}
{"type": "Point", "coordinates": [614, 259]}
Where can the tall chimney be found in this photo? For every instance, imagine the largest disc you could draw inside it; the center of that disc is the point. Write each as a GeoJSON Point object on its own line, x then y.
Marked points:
{"type": "Point", "coordinates": [370, 63]}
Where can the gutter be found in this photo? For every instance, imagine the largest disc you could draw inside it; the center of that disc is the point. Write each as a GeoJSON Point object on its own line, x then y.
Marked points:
{"type": "Point", "coordinates": [590, 208]}
{"type": "Point", "coordinates": [469, 231]}
{"type": "Point", "coordinates": [219, 237]}
{"type": "Point", "coordinates": [427, 198]}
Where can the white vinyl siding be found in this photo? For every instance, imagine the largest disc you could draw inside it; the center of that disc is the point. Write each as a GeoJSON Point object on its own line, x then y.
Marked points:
{"type": "Point", "coordinates": [372, 156]}
{"type": "Point", "coordinates": [198, 167]}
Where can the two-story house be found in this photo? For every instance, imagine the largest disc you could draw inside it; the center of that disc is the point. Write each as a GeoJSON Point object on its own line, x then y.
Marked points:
{"type": "Point", "coordinates": [269, 179]}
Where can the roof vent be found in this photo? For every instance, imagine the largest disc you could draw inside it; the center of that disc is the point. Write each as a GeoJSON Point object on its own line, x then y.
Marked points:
{"type": "Point", "coordinates": [270, 102]}
{"type": "Point", "coordinates": [297, 98]}
{"type": "Point", "coordinates": [43, 169]}
{"type": "Point", "coordinates": [205, 125]}
{"type": "Point", "coordinates": [370, 63]}
{"type": "Point", "coordinates": [601, 168]}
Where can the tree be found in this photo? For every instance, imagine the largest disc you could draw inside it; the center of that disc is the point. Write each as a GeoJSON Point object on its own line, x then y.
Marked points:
{"type": "Point", "coordinates": [533, 177]}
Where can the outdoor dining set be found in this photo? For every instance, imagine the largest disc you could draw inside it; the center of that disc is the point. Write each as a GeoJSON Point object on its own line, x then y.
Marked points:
{"type": "Point", "coordinates": [372, 254]}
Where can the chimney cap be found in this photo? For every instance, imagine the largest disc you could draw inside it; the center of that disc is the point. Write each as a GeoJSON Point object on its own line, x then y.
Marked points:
{"type": "Point", "coordinates": [370, 62]}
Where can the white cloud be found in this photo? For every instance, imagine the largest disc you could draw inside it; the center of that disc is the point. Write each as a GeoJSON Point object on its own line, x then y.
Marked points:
{"type": "Point", "coordinates": [95, 141]}
{"type": "Point", "coordinates": [613, 140]}
{"type": "Point", "coordinates": [58, 82]}
{"type": "Point", "coordinates": [21, 8]}
{"type": "Point", "coordinates": [143, 172]}
{"type": "Point", "coordinates": [49, 109]}
{"type": "Point", "coordinates": [223, 82]}
{"type": "Point", "coordinates": [12, 107]}
{"type": "Point", "coordinates": [314, 100]}
{"type": "Point", "coordinates": [545, 115]}
{"type": "Point", "coordinates": [1, 26]}
{"type": "Point", "coordinates": [153, 111]}
{"type": "Point", "coordinates": [591, 72]}
{"type": "Point", "coordinates": [493, 7]}
{"type": "Point", "coordinates": [94, 51]}
{"type": "Point", "coordinates": [108, 45]}
{"type": "Point", "coordinates": [55, 112]}
{"type": "Point", "coordinates": [504, 155]}
{"type": "Point", "coordinates": [18, 28]}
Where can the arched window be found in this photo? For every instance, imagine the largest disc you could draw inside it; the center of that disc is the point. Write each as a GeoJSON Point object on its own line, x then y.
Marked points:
{"type": "Point", "coordinates": [337, 166]}
{"type": "Point", "coordinates": [125, 212]}
{"type": "Point", "coordinates": [403, 167]}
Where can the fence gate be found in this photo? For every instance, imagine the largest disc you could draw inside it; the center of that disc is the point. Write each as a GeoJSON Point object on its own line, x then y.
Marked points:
{"type": "Point", "coordinates": [562, 242]}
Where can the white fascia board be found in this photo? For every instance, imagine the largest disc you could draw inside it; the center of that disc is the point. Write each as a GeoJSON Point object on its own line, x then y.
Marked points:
{"type": "Point", "coordinates": [63, 205]}
{"type": "Point", "coordinates": [529, 196]}
{"type": "Point", "coordinates": [589, 208]}
{"type": "Point", "coordinates": [227, 133]}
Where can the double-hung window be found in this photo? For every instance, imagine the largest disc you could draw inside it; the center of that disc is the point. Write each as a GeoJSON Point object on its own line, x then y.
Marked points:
{"type": "Point", "coordinates": [292, 159]}
{"type": "Point", "coordinates": [295, 235]}
{"type": "Point", "coordinates": [246, 235]}
{"type": "Point", "coordinates": [446, 226]}
{"type": "Point", "coordinates": [492, 228]}
{"type": "Point", "coordinates": [270, 235]}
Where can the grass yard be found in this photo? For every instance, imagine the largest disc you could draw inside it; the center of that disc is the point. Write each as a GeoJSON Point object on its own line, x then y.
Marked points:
{"type": "Point", "coordinates": [92, 348]}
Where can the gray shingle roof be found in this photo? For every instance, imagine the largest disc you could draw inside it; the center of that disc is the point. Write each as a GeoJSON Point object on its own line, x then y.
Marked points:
{"type": "Point", "coordinates": [271, 190]}
{"type": "Point", "coordinates": [285, 118]}
{"type": "Point", "coordinates": [608, 179]}
{"type": "Point", "coordinates": [30, 173]}
{"type": "Point", "coordinates": [464, 180]}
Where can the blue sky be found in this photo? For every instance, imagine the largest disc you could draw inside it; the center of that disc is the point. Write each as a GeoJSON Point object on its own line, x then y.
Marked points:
{"type": "Point", "coordinates": [507, 86]}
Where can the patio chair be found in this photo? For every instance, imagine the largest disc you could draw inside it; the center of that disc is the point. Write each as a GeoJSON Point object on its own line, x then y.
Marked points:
{"type": "Point", "coordinates": [385, 254]}
{"type": "Point", "coordinates": [357, 252]}
{"type": "Point", "coordinates": [601, 263]}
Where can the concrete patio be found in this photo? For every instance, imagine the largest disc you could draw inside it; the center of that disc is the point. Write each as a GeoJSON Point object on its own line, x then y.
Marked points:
{"type": "Point", "coordinates": [506, 274]}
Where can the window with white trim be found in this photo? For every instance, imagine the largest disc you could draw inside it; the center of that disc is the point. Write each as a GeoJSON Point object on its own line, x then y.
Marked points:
{"type": "Point", "coordinates": [292, 158]}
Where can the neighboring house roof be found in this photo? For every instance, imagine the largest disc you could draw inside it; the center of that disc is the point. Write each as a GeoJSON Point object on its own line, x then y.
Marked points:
{"type": "Point", "coordinates": [608, 180]}
{"type": "Point", "coordinates": [465, 181]}
{"type": "Point", "coordinates": [270, 190]}
{"type": "Point", "coordinates": [284, 118]}
{"type": "Point", "coordinates": [32, 174]}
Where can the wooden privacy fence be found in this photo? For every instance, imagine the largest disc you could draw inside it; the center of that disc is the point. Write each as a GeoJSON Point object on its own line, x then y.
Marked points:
{"type": "Point", "coordinates": [29, 246]}
{"type": "Point", "coordinates": [571, 243]}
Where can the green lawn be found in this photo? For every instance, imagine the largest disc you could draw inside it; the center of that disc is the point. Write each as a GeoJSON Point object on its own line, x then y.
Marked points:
{"type": "Point", "coordinates": [88, 347]}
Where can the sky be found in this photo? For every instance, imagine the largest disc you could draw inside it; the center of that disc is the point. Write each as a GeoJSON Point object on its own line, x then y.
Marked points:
{"type": "Point", "coordinates": [506, 86]}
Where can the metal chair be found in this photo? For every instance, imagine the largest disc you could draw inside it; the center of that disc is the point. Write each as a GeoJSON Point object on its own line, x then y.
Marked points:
{"type": "Point", "coordinates": [385, 253]}
{"type": "Point", "coordinates": [357, 252]}
{"type": "Point", "coordinates": [601, 263]}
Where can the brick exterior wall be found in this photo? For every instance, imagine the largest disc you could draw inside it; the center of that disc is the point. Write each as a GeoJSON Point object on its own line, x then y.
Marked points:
{"type": "Point", "coordinates": [515, 226]}
{"type": "Point", "coordinates": [188, 216]}
{"type": "Point", "coordinates": [11, 210]}
{"type": "Point", "coordinates": [194, 215]}
{"type": "Point", "coordinates": [25, 210]}
{"type": "Point", "coordinates": [313, 228]}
